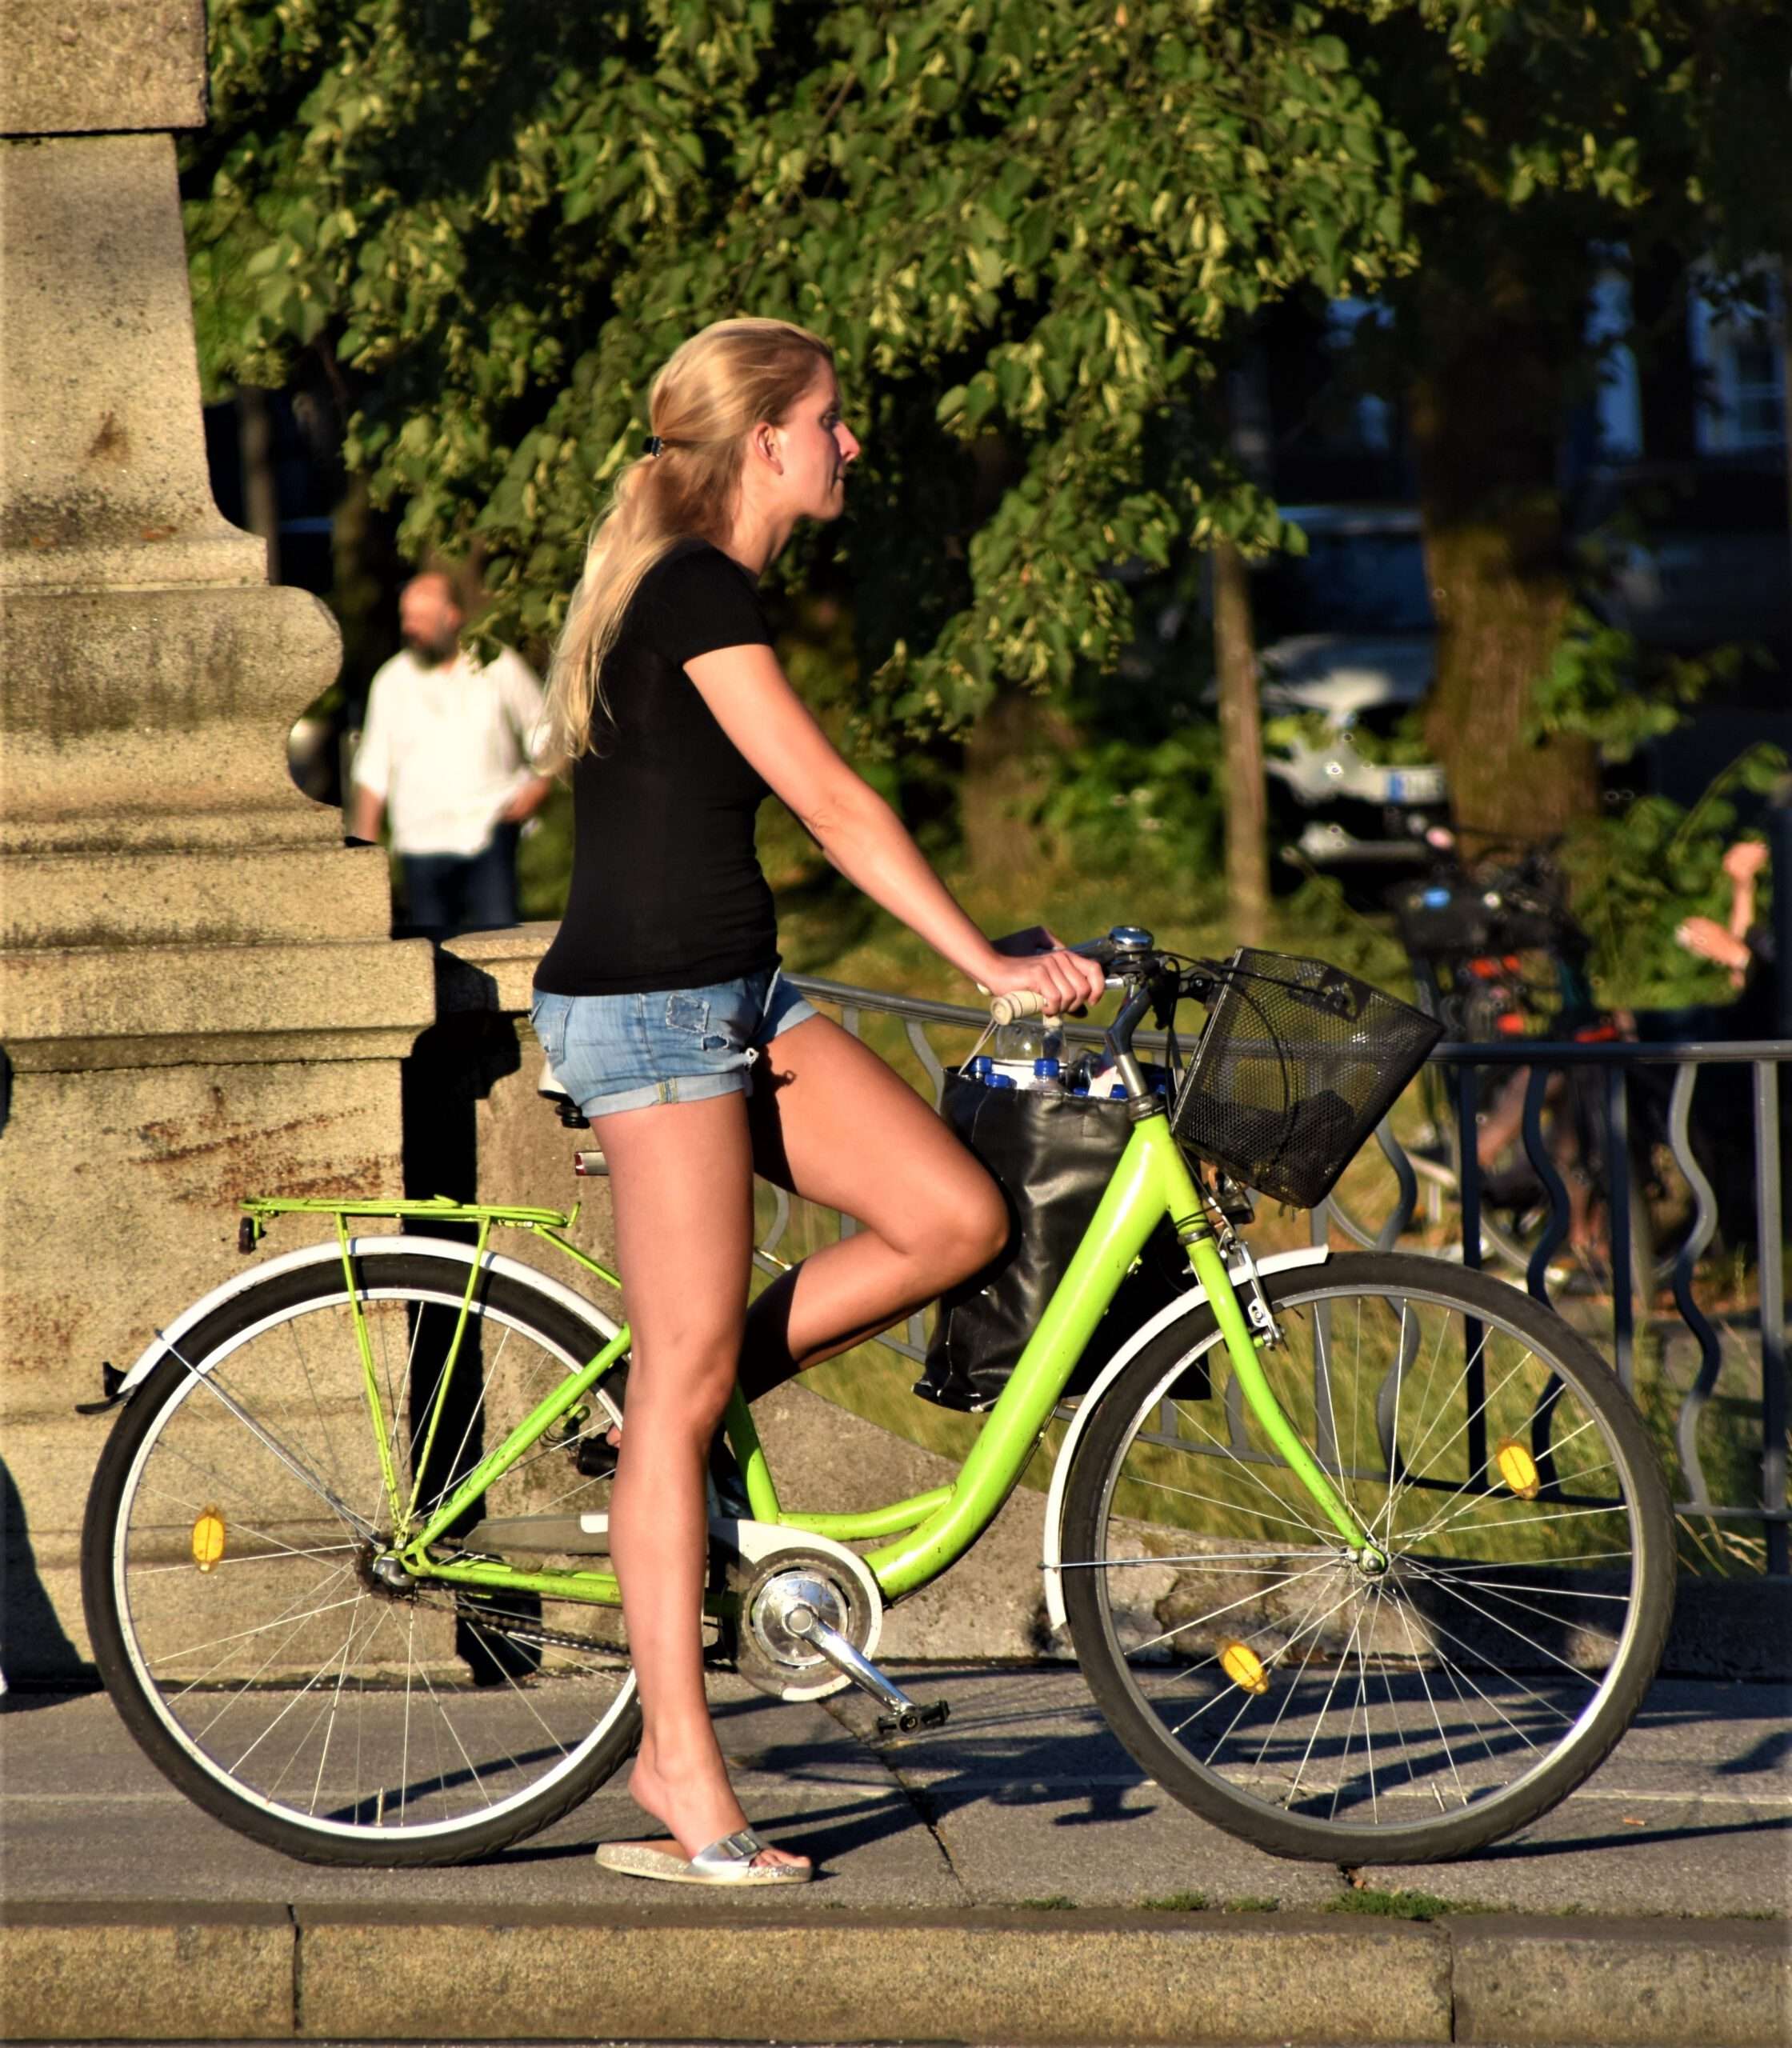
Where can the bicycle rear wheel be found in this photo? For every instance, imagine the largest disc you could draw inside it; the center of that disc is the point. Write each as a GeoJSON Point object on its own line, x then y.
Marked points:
{"type": "Point", "coordinates": [1323, 1711]}
{"type": "Point", "coordinates": [228, 1571]}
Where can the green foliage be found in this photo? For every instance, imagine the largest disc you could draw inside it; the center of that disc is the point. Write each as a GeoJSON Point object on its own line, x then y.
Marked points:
{"type": "Point", "coordinates": [490, 220]}
{"type": "Point", "coordinates": [1403, 744]}
{"type": "Point", "coordinates": [1601, 686]}
{"type": "Point", "coordinates": [1636, 875]}
{"type": "Point", "coordinates": [1127, 806]}
{"type": "Point", "coordinates": [1660, 109]}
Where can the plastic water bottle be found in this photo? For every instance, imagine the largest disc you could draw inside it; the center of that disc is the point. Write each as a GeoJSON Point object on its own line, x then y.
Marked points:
{"type": "Point", "coordinates": [1023, 1039]}
{"type": "Point", "coordinates": [984, 1069]}
{"type": "Point", "coordinates": [1027, 1054]}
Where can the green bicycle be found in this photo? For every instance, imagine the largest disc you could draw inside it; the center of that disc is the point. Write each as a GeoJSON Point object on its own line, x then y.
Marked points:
{"type": "Point", "coordinates": [1364, 1558]}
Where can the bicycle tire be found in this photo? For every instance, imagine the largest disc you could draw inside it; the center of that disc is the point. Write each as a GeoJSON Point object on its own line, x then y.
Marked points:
{"type": "Point", "coordinates": [1501, 1657]}
{"type": "Point", "coordinates": [243, 1682]}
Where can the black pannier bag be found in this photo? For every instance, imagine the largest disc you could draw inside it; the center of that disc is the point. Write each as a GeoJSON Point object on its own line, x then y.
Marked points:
{"type": "Point", "coordinates": [1052, 1153]}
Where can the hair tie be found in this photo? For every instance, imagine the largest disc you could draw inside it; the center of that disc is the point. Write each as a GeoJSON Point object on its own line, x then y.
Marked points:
{"type": "Point", "coordinates": [652, 446]}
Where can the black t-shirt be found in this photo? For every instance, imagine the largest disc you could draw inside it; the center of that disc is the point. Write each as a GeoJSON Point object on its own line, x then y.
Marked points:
{"type": "Point", "coordinates": [666, 888]}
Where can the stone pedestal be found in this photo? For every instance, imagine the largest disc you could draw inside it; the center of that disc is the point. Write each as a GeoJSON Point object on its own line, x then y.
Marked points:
{"type": "Point", "coordinates": [197, 996]}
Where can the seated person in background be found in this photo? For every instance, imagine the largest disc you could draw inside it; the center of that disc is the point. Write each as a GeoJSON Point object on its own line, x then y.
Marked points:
{"type": "Point", "coordinates": [1723, 1103]}
{"type": "Point", "coordinates": [1741, 944]}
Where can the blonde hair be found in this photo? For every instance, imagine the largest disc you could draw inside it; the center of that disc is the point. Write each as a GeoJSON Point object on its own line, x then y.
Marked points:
{"type": "Point", "coordinates": [701, 406]}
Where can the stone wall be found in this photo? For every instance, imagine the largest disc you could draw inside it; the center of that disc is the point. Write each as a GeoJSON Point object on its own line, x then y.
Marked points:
{"type": "Point", "coordinates": [198, 999]}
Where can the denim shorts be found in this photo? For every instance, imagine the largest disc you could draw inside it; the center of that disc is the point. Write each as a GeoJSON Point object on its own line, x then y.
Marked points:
{"type": "Point", "coordinates": [624, 1052]}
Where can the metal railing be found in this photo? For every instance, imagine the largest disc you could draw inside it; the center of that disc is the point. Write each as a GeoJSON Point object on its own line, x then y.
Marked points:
{"type": "Point", "coordinates": [1641, 1123]}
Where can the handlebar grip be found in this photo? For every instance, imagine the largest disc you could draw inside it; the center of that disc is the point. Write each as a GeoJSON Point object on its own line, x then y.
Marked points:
{"type": "Point", "coordinates": [1023, 1003]}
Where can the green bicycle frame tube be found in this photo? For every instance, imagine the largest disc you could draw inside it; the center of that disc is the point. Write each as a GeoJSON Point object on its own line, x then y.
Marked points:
{"type": "Point", "coordinates": [935, 1528]}
{"type": "Point", "coordinates": [1151, 1180]}
{"type": "Point", "coordinates": [496, 1463]}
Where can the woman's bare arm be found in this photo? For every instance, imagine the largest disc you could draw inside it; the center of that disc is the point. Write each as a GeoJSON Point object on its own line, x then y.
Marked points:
{"type": "Point", "coordinates": [858, 832]}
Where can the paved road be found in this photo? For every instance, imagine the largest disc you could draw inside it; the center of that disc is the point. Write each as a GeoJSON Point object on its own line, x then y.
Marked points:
{"type": "Point", "coordinates": [1024, 1802]}
{"type": "Point", "coordinates": [1024, 1797]}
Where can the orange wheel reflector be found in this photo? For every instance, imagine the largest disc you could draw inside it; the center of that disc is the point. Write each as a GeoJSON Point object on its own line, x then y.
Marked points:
{"type": "Point", "coordinates": [1244, 1667]}
{"type": "Point", "coordinates": [1518, 1468]}
{"type": "Point", "coordinates": [208, 1538]}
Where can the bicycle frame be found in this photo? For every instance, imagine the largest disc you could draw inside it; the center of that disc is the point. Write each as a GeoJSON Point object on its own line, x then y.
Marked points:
{"type": "Point", "coordinates": [934, 1529]}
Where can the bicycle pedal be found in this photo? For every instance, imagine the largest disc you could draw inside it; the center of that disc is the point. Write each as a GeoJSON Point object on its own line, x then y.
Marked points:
{"type": "Point", "coordinates": [915, 1718]}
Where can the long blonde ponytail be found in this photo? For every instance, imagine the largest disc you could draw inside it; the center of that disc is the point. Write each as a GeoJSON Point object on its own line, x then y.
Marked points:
{"type": "Point", "coordinates": [701, 406]}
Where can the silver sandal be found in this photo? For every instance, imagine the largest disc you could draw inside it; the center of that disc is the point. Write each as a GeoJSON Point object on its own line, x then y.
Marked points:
{"type": "Point", "coordinates": [728, 1861]}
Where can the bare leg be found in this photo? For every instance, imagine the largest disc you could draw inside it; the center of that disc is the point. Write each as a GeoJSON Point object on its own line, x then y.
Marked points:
{"type": "Point", "coordinates": [682, 1178]}
{"type": "Point", "coordinates": [832, 1123]}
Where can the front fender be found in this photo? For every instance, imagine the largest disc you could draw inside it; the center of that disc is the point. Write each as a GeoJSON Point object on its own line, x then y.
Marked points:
{"type": "Point", "coordinates": [1053, 1563]}
{"type": "Point", "coordinates": [330, 1254]}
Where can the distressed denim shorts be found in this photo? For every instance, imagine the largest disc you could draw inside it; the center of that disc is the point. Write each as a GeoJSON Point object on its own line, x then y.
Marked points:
{"type": "Point", "coordinates": [625, 1052]}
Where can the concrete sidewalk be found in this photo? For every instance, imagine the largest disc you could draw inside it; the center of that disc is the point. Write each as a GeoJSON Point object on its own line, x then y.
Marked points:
{"type": "Point", "coordinates": [1011, 1877]}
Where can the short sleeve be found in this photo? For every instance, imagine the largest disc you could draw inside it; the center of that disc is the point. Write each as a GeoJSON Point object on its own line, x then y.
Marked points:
{"type": "Point", "coordinates": [702, 600]}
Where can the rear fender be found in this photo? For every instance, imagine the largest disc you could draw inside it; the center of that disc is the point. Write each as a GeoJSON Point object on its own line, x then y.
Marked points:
{"type": "Point", "coordinates": [330, 1254]}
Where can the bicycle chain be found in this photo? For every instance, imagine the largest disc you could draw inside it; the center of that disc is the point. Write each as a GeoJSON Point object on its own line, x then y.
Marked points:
{"type": "Point", "coordinates": [517, 1630]}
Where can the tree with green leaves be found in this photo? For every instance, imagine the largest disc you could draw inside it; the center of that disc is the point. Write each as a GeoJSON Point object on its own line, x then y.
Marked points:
{"type": "Point", "coordinates": [1029, 232]}
{"type": "Point", "coordinates": [1556, 138]}
{"type": "Point", "coordinates": [1036, 236]}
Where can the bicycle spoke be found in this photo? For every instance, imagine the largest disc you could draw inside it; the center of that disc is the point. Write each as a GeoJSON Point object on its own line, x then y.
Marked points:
{"type": "Point", "coordinates": [1437, 1718]}
{"type": "Point", "coordinates": [243, 1635]}
{"type": "Point", "coordinates": [1214, 1614]}
{"type": "Point", "coordinates": [1441, 1509]}
{"type": "Point", "coordinates": [334, 1708]}
{"type": "Point", "coordinates": [1209, 1558]}
{"type": "Point", "coordinates": [1500, 1621]}
{"type": "Point", "coordinates": [294, 1464]}
{"type": "Point", "coordinates": [1441, 1693]}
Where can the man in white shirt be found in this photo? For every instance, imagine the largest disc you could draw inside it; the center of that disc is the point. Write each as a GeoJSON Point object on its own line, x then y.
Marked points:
{"type": "Point", "coordinates": [446, 749]}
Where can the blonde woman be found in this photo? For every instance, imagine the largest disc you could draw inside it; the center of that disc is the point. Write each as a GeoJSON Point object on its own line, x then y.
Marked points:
{"type": "Point", "coordinates": [661, 996]}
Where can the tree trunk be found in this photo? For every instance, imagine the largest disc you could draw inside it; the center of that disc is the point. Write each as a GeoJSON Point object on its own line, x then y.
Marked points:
{"type": "Point", "coordinates": [1487, 416]}
{"type": "Point", "coordinates": [1241, 727]}
{"type": "Point", "coordinates": [1008, 759]}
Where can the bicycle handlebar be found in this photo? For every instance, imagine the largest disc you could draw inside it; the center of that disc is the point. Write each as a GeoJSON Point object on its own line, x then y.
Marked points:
{"type": "Point", "coordinates": [1023, 1003]}
{"type": "Point", "coordinates": [1028, 1002]}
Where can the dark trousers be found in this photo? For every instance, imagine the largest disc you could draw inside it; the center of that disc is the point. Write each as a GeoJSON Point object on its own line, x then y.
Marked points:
{"type": "Point", "coordinates": [448, 893]}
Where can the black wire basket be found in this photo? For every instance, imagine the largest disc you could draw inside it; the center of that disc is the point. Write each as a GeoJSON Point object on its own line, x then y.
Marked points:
{"type": "Point", "coordinates": [1299, 1063]}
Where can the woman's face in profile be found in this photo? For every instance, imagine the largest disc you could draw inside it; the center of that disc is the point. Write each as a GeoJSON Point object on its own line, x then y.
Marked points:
{"type": "Point", "coordinates": [817, 447]}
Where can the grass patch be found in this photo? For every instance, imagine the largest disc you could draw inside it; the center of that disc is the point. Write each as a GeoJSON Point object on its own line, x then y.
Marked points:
{"type": "Point", "coordinates": [1177, 1902]}
{"type": "Point", "coordinates": [1056, 1903]}
{"type": "Point", "coordinates": [1396, 1905]}
{"type": "Point", "coordinates": [1252, 1905]}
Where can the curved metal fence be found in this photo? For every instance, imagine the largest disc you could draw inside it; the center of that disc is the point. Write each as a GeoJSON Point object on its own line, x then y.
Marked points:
{"type": "Point", "coordinates": [1698, 1339]}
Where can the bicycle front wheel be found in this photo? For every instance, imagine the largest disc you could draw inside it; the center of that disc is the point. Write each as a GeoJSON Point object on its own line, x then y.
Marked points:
{"type": "Point", "coordinates": [229, 1569]}
{"type": "Point", "coordinates": [1352, 1712]}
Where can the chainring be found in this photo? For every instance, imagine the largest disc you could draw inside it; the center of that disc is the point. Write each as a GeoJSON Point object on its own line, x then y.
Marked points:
{"type": "Point", "coordinates": [766, 1654]}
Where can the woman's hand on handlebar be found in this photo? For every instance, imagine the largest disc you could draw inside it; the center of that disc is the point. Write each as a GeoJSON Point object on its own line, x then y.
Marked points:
{"type": "Point", "coordinates": [1035, 962]}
